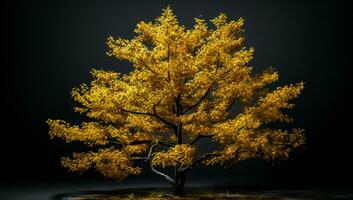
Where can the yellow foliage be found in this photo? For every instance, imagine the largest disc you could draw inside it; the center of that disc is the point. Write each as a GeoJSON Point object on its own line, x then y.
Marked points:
{"type": "Point", "coordinates": [89, 133]}
{"type": "Point", "coordinates": [109, 162]}
{"type": "Point", "coordinates": [182, 85]}
{"type": "Point", "coordinates": [179, 155]}
{"type": "Point", "coordinates": [265, 144]}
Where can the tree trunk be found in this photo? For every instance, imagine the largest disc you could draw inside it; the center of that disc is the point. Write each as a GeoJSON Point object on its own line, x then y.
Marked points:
{"type": "Point", "coordinates": [179, 178]}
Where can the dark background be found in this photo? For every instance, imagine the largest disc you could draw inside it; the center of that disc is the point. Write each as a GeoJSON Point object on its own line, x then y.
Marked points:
{"type": "Point", "coordinates": [49, 47]}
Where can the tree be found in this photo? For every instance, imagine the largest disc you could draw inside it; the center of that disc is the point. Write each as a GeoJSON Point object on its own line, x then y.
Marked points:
{"type": "Point", "coordinates": [181, 89]}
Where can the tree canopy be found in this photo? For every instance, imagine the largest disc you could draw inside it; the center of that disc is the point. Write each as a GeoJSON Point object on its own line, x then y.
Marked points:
{"type": "Point", "coordinates": [181, 88]}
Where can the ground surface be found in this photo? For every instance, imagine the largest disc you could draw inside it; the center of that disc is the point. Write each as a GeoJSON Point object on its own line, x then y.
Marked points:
{"type": "Point", "coordinates": [103, 191]}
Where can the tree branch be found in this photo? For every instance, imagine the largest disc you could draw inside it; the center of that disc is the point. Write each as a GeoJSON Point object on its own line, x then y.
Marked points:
{"type": "Point", "coordinates": [154, 114]}
{"type": "Point", "coordinates": [137, 142]}
{"type": "Point", "coordinates": [166, 144]}
{"type": "Point", "coordinates": [199, 101]}
{"type": "Point", "coordinates": [161, 119]}
{"type": "Point", "coordinates": [199, 159]}
{"type": "Point", "coordinates": [218, 65]}
{"type": "Point", "coordinates": [199, 137]}
{"type": "Point", "coordinates": [286, 145]}
{"type": "Point", "coordinates": [114, 142]}
{"type": "Point", "coordinates": [193, 92]}
{"type": "Point", "coordinates": [150, 69]}
{"type": "Point", "coordinates": [138, 113]}
{"type": "Point", "coordinates": [154, 170]}
{"type": "Point", "coordinates": [168, 57]}
{"type": "Point", "coordinates": [140, 142]}
{"type": "Point", "coordinates": [138, 158]}
{"type": "Point", "coordinates": [165, 176]}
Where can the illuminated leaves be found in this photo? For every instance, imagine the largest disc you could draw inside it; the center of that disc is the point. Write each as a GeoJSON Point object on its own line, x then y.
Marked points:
{"type": "Point", "coordinates": [89, 133]}
{"type": "Point", "coordinates": [268, 144]}
{"type": "Point", "coordinates": [269, 107]}
{"type": "Point", "coordinates": [109, 162]}
{"type": "Point", "coordinates": [179, 155]}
